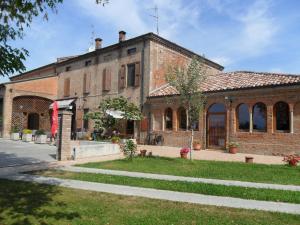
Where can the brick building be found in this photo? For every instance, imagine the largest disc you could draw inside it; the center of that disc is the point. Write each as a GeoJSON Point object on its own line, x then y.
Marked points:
{"type": "Point", "coordinates": [259, 110]}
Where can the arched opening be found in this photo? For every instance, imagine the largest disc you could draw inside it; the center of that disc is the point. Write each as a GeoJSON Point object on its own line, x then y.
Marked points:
{"type": "Point", "coordinates": [216, 126]}
{"type": "Point", "coordinates": [243, 117]}
{"type": "Point", "coordinates": [182, 118]}
{"type": "Point", "coordinates": [260, 117]}
{"type": "Point", "coordinates": [297, 118]}
{"type": "Point", "coordinates": [169, 118]}
{"type": "Point", "coordinates": [31, 112]}
{"type": "Point", "coordinates": [33, 121]}
{"type": "Point", "coordinates": [282, 116]}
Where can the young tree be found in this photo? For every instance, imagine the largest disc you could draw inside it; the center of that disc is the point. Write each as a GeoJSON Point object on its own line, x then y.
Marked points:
{"type": "Point", "coordinates": [103, 120]}
{"type": "Point", "coordinates": [187, 81]}
{"type": "Point", "coordinates": [15, 15]}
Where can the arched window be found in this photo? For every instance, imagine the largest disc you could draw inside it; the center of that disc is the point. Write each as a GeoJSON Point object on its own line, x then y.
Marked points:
{"type": "Point", "coordinates": [217, 108]}
{"type": "Point", "coordinates": [260, 117]}
{"type": "Point", "coordinates": [282, 116]}
{"type": "Point", "coordinates": [182, 118]}
{"type": "Point", "coordinates": [169, 118]}
{"type": "Point", "coordinates": [243, 117]}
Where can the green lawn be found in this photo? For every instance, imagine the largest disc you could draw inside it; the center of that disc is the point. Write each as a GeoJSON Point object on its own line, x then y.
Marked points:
{"type": "Point", "coordinates": [27, 203]}
{"type": "Point", "coordinates": [277, 174]}
{"type": "Point", "coordinates": [200, 188]}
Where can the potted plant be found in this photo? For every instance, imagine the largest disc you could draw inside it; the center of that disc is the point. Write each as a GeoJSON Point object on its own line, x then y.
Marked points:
{"type": "Point", "coordinates": [115, 140]}
{"type": "Point", "coordinates": [143, 152]}
{"type": "Point", "coordinates": [233, 147]}
{"type": "Point", "coordinates": [184, 152]}
{"type": "Point", "coordinates": [41, 137]}
{"type": "Point", "coordinates": [292, 160]}
{"type": "Point", "coordinates": [27, 135]}
{"type": "Point", "coordinates": [196, 145]}
{"type": "Point", "coordinates": [14, 134]}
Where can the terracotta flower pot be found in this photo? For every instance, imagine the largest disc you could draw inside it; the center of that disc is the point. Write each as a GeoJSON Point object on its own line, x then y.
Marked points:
{"type": "Point", "coordinates": [233, 150]}
{"type": "Point", "coordinates": [197, 147]}
{"type": "Point", "coordinates": [183, 155]}
{"type": "Point", "coordinates": [143, 153]}
{"type": "Point", "coordinates": [249, 159]}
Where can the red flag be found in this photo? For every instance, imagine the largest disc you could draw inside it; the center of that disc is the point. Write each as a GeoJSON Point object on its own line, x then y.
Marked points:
{"type": "Point", "coordinates": [54, 119]}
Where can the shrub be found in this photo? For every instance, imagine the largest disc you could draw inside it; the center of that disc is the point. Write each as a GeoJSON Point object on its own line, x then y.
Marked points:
{"type": "Point", "coordinates": [291, 159]}
{"type": "Point", "coordinates": [185, 150]}
{"type": "Point", "coordinates": [233, 145]}
{"type": "Point", "coordinates": [115, 139]}
{"type": "Point", "coordinates": [40, 132]}
{"type": "Point", "coordinates": [14, 129]}
{"type": "Point", "coordinates": [27, 131]}
{"type": "Point", "coordinates": [196, 142]}
{"type": "Point", "coordinates": [129, 149]}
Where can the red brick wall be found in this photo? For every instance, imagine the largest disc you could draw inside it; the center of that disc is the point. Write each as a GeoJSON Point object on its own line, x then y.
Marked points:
{"type": "Point", "coordinates": [270, 142]}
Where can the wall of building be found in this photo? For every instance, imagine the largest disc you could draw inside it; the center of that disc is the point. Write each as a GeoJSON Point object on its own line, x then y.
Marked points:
{"type": "Point", "coordinates": [269, 142]}
{"type": "Point", "coordinates": [109, 61]}
{"type": "Point", "coordinates": [161, 58]}
{"type": "Point", "coordinates": [44, 88]}
{"type": "Point", "coordinates": [40, 72]}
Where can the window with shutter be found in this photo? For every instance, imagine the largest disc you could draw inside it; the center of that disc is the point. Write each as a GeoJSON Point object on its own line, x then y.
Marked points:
{"type": "Point", "coordinates": [106, 83]}
{"type": "Point", "coordinates": [122, 77]}
{"type": "Point", "coordinates": [131, 75]}
{"type": "Point", "coordinates": [137, 74]}
{"type": "Point", "coordinates": [67, 87]}
{"type": "Point", "coordinates": [86, 83]}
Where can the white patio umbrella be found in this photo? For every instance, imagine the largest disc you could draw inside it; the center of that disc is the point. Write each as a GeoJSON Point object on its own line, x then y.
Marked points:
{"type": "Point", "coordinates": [115, 113]}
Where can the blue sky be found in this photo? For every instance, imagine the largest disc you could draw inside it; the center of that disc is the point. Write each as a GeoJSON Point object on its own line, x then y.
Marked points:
{"type": "Point", "coordinates": [256, 35]}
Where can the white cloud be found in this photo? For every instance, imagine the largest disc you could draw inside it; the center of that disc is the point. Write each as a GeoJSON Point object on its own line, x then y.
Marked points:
{"type": "Point", "coordinates": [252, 30]}
{"type": "Point", "coordinates": [222, 60]}
{"type": "Point", "coordinates": [135, 17]}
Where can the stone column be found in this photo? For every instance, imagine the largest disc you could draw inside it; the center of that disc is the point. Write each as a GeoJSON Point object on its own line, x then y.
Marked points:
{"type": "Point", "coordinates": [64, 135]}
{"type": "Point", "coordinates": [163, 121]}
{"type": "Point", "coordinates": [174, 120]}
{"type": "Point", "coordinates": [228, 128]}
{"type": "Point", "coordinates": [187, 120]}
{"type": "Point", "coordinates": [204, 128]}
{"type": "Point", "coordinates": [251, 119]}
{"type": "Point", "coordinates": [7, 112]}
{"type": "Point", "coordinates": [291, 118]}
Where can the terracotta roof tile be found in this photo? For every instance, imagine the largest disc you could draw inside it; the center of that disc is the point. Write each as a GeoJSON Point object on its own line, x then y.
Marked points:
{"type": "Point", "coordinates": [235, 80]}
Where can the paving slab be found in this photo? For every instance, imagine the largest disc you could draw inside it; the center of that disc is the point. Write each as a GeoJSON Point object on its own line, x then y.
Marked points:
{"type": "Point", "coordinates": [18, 153]}
{"type": "Point", "coordinates": [181, 178]}
{"type": "Point", "coordinates": [213, 155]}
{"type": "Point", "coordinates": [163, 194]}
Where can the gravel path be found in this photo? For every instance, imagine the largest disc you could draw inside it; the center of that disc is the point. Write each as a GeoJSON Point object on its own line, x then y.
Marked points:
{"type": "Point", "coordinates": [164, 195]}
{"type": "Point", "coordinates": [180, 178]}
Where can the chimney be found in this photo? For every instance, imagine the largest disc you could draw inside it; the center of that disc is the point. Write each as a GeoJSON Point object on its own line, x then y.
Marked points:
{"type": "Point", "coordinates": [122, 36]}
{"type": "Point", "coordinates": [98, 43]}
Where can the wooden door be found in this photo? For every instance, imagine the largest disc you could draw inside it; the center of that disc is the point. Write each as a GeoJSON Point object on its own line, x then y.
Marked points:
{"type": "Point", "coordinates": [216, 130]}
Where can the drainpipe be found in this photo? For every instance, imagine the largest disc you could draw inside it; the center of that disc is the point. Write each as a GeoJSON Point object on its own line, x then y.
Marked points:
{"type": "Point", "coordinates": [142, 84]}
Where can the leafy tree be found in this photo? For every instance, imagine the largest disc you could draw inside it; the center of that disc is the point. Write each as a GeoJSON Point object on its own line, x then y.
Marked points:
{"type": "Point", "coordinates": [104, 121]}
{"type": "Point", "coordinates": [15, 15]}
{"type": "Point", "coordinates": [187, 81]}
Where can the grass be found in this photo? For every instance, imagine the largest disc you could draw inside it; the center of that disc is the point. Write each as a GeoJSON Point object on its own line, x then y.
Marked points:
{"type": "Point", "coordinates": [277, 174]}
{"type": "Point", "coordinates": [28, 203]}
{"type": "Point", "coordinates": [199, 188]}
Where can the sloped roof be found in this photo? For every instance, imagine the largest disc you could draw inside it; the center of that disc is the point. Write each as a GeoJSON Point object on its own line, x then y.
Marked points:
{"type": "Point", "coordinates": [234, 81]}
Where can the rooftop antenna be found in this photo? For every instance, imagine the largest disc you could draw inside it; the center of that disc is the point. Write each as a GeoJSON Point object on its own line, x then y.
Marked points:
{"type": "Point", "coordinates": [155, 16]}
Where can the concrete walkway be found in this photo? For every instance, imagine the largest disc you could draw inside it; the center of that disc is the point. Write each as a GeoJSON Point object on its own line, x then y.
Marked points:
{"type": "Point", "coordinates": [215, 155]}
{"type": "Point", "coordinates": [181, 178]}
{"type": "Point", "coordinates": [164, 195]}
